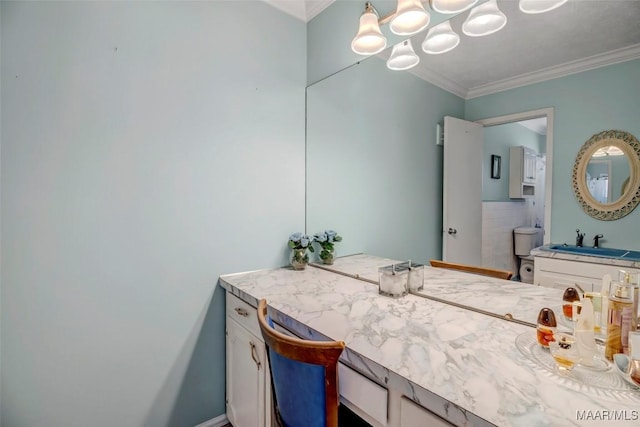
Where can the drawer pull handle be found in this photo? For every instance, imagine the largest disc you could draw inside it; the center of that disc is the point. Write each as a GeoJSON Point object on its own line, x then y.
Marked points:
{"type": "Point", "coordinates": [253, 354]}
{"type": "Point", "coordinates": [242, 312]}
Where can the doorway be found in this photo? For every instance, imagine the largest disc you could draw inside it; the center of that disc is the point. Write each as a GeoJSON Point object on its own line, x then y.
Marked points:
{"type": "Point", "coordinates": [501, 213]}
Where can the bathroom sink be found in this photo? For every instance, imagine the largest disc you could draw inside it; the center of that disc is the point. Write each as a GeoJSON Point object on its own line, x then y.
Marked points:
{"type": "Point", "coordinates": [599, 252]}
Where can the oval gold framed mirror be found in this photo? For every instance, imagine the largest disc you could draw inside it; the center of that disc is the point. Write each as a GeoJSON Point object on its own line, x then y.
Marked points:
{"type": "Point", "coordinates": [606, 175]}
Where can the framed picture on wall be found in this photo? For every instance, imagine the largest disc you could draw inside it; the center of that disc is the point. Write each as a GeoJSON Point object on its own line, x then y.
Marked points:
{"type": "Point", "coordinates": [495, 166]}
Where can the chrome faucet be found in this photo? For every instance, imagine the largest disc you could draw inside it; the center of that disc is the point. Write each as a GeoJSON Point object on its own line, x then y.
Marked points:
{"type": "Point", "coordinates": [595, 240]}
{"type": "Point", "coordinates": [579, 237]}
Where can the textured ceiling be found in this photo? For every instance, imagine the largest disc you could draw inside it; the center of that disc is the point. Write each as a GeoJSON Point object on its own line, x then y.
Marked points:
{"type": "Point", "coordinates": [579, 35]}
{"type": "Point", "coordinates": [532, 43]}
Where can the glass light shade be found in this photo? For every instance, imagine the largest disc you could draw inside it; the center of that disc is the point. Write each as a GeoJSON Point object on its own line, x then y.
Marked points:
{"type": "Point", "coordinates": [410, 18]}
{"type": "Point", "coordinates": [610, 150]}
{"type": "Point", "coordinates": [440, 39]}
{"type": "Point", "coordinates": [402, 56]}
{"type": "Point", "coordinates": [369, 39]}
{"type": "Point", "coordinates": [484, 20]}
{"type": "Point", "coordinates": [452, 6]}
{"type": "Point", "coordinates": [540, 6]}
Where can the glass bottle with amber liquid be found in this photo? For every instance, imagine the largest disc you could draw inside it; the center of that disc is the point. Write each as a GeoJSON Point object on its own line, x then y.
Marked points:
{"type": "Point", "coordinates": [569, 297]}
{"type": "Point", "coordinates": [546, 328]}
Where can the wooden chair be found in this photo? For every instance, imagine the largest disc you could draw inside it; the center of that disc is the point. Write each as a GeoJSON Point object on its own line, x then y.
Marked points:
{"type": "Point", "coordinates": [492, 272]}
{"type": "Point", "coordinates": [304, 376]}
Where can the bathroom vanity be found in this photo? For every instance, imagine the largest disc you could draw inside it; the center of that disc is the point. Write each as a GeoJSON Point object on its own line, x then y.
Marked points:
{"type": "Point", "coordinates": [412, 361]}
{"type": "Point", "coordinates": [561, 269]}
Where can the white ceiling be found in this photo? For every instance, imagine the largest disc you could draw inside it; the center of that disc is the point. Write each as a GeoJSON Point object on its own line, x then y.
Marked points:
{"type": "Point", "coordinates": [580, 35]}
{"type": "Point", "coordinates": [538, 125]}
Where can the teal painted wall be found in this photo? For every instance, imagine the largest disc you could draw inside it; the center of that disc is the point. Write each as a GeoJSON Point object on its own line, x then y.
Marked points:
{"type": "Point", "coordinates": [584, 104]}
{"type": "Point", "coordinates": [147, 148]}
{"type": "Point", "coordinates": [497, 140]}
{"type": "Point", "coordinates": [374, 171]}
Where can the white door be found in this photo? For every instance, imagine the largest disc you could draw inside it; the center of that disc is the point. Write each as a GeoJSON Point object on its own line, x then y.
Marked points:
{"type": "Point", "coordinates": [462, 192]}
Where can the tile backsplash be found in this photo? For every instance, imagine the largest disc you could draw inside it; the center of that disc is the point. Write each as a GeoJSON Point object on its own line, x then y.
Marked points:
{"type": "Point", "coordinates": [498, 221]}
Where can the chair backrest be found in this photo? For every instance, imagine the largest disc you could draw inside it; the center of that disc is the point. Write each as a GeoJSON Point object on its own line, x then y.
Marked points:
{"type": "Point", "coordinates": [304, 376]}
{"type": "Point", "coordinates": [493, 272]}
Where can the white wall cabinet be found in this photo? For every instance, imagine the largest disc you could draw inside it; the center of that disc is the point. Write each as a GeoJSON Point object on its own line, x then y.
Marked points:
{"type": "Point", "coordinates": [248, 384]}
{"type": "Point", "coordinates": [561, 274]}
{"type": "Point", "coordinates": [522, 172]}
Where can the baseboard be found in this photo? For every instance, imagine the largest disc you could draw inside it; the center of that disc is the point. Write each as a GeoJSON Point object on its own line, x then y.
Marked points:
{"type": "Point", "coordinates": [218, 421]}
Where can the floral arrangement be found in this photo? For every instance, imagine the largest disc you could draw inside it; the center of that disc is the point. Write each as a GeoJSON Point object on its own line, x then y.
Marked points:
{"type": "Point", "coordinates": [326, 239]}
{"type": "Point", "coordinates": [300, 241]}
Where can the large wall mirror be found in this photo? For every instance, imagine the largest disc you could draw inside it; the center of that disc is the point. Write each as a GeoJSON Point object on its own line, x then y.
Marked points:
{"type": "Point", "coordinates": [374, 163]}
{"type": "Point", "coordinates": [606, 175]}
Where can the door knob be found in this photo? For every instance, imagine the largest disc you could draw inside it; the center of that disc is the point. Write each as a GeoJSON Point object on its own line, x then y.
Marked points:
{"type": "Point", "coordinates": [452, 230]}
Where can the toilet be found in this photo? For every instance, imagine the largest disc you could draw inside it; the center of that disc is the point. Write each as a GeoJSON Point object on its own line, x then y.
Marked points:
{"type": "Point", "coordinates": [525, 239]}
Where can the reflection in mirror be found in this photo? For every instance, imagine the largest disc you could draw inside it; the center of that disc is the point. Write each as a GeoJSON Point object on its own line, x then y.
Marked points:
{"type": "Point", "coordinates": [608, 165]}
{"type": "Point", "coordinates": [374, 154]}
{"type": "Point", "coordinates": [607, 174]}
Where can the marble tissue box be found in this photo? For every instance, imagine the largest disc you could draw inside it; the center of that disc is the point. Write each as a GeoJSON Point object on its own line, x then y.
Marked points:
{"type": "Point", "coordinates": [416, 277]}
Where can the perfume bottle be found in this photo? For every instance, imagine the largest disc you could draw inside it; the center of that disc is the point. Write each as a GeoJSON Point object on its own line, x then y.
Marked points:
{"type": "Point", "coordinates": [619, 319]}
{"type": "Point", "coordinates": [634, 279]}
{"type": "Point", "coordinates": [546, 328]}
{"type": "Point", "coordinates": [570, 297]}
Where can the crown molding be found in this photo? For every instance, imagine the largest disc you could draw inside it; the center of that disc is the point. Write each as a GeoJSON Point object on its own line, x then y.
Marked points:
{"type": "Point", "coordinates": [304, 10]}
{"type": "Point", "coordinates": [314, 7]}
{"type": "Point", "coordinates": [602, 60]}
{"type": "Point", "coordinates": [439, 80]}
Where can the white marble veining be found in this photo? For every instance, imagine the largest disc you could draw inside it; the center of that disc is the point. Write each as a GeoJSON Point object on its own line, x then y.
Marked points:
{"type": "Point", "coordinates": [460, 364]}
{"type": "Point", "coordinates": [501, 297]}
{"type": "Point", "coordinates": [545, 252]}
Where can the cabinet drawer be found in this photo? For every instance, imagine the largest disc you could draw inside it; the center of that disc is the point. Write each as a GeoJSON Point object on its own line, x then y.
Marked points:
{"type": "Point", "coordinates": [369, 399]}
{"type": "Point", "coordinates": [243, 313]}
{"type": "Point", "coordinates": [412, 414]}
{"type": "Point", "coordinates": [580, 269]}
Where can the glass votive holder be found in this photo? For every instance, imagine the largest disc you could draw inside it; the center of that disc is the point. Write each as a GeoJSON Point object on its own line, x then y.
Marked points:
{"type": "Point", "coordinates": [564, 351]}
{"type": "Point", "coordinates": [393, 281]}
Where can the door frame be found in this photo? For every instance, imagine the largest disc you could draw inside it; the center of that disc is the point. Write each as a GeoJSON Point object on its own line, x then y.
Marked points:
{"type": "Point", "coordinates": [526, 115]}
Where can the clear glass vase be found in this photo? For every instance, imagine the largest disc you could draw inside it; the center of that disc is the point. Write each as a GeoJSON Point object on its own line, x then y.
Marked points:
{"type": "Point", "coordinates": [328, 254]}
{"type": "Point", "coordinates": [299, 259]}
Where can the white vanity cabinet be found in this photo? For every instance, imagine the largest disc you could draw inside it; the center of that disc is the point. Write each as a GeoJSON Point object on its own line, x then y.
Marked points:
{"type": "Point", "coordinates": [560, 273]}
{"type": "Point", "coordinates": [412, 415]}
{"type": "Point", "coordinates": [248, 397]}
{"type": "Point", "coordinates": [522, 172]}
{"type": "Point", "coordinates": [248, 386]}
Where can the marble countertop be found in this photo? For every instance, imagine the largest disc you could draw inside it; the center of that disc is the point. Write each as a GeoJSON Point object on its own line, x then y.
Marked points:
{"type": "Point", "coordinates": [523, 301]}
{"type": "Point", "coordinates": [461, 365]}
{"type": "Point", "coordinates": [545, 252]}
